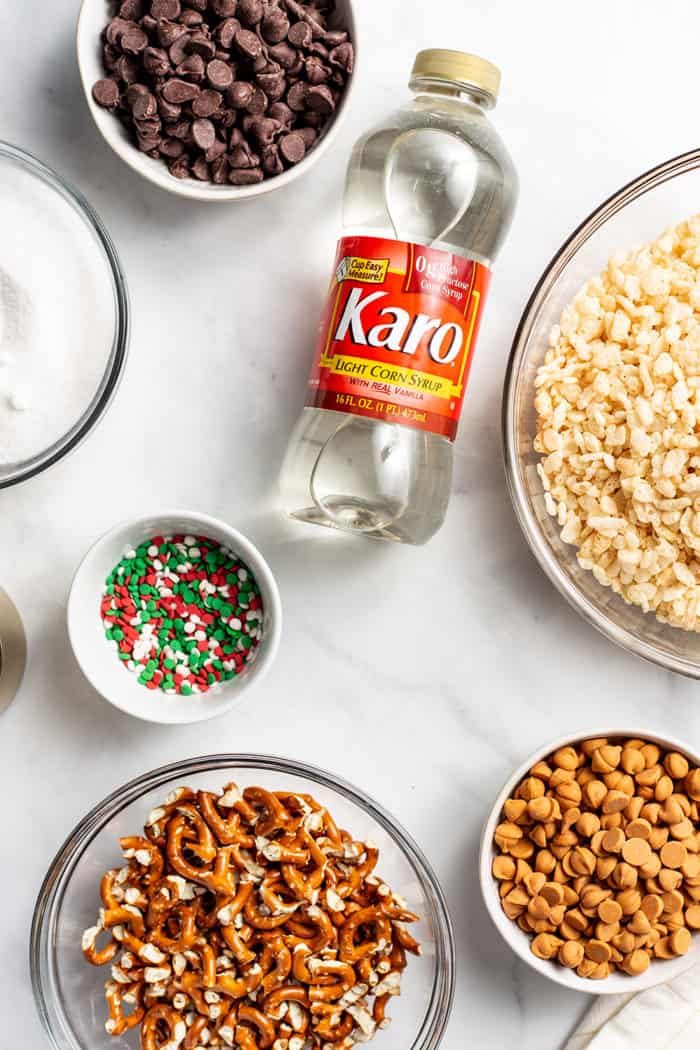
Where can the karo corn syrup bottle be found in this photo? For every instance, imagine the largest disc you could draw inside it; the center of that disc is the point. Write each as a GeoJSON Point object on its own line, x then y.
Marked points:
{"type": "Point", "coordinates": [429, 199]}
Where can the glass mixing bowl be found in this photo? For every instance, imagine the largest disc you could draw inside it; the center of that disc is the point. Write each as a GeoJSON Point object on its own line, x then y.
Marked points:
{"type": "Point", "coordinates": [636, 214]}
{"type": "Point", "coordinates": [75, 241]}
{"type": "Point", "coordinates": [69, 993]}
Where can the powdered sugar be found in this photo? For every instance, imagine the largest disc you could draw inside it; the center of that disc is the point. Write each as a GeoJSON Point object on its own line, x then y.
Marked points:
{"type": "Point", "coordinates": [56, 315]}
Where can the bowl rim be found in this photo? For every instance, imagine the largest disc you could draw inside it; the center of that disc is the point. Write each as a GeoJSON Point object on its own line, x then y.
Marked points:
{"type": "Point", "coordinates": [242, 546]}
{"type": "Point", "coordinates": [546, 558]}
{"type": "Point", "coordinates": [191, 189]}
{"type": "Point", "coordinates": [60, 871]}
{"type": "Point", "coordinates": [513, 936]}
{"type": "Point", "coordinates": [114, 369]}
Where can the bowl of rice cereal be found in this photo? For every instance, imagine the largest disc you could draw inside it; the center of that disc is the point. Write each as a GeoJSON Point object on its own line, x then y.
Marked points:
{"type": "Point", "coordinates": [601, 417]}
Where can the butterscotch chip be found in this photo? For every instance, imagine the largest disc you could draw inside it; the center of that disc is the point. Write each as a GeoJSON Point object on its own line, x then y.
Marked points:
{"type": "Point", "coordinates": [663, 789]}
{"type": "Point", "coordinates": [624, 941]}
{"type": "Point", "coordinates": [567, 758]}
{"type": "Point", "coordinates": [592, 897]}
{"type": "Point", "coordinates": [692, 784]}
{"type": "Point", "coordinates": [649, 777]}
{"type": "Point", "coordinates": [541, 770]}
{"type": "Point", "coordinates": [680, 941]}
{"type": "Point", "coordinates": [691, 866]}
{"type": "Point", "coordinates": [515, 809]}
{"type": "Point", "coordinates": [609, 911]}
{"type": "Point", "coordinates": [638, 829]}
{"type": "Point", "coordinates": [503, 868]}
{"type": "Point", "coordinates": [605, 867]}
{"type": "Point", "coordinates": [588, 825]}
{"type": "Point", "coordinates": [583, 860]}
{"type": "Point", "coordinates": [553, 893]}
{"type": "Point", "coordinates": [571, 954]}
{"type": "Point", "coordinates": [601, 971]}
{"type": "Point", "coordinates": [658, 837]}
{"type": "Point", "coordinates": [613, 840]}
{"type": "Point", "coordinates": [636, 962]}
{"type": "Point", "coordinates": [631, 760]}
{"type": "Point", "coordinates": [615, 801]}
{"type": "Point", "coordinates": [682, 830]}
{"type": "Point", "coordinates": [545, 862]}
{"type": "Point", "coordinates": [652, 868]}
{"type": "Point", "coordinates": [652, 906]}
{"type": "Point", "coordinates": [545, 946]}
{"type": "Point", "coordinates": [587, 968]}
{"type": "Point", "coordinates": [538, 908]}
{"type": "Point", "coordinates": [522, 849]}
{"type": "Point", "coordinates": [594, 792]}
{"type": "Point", "coordinates": [507, 834]}
{"type": "Point", "coordinates": [639, 924]}
{"type": "Point", "coordinates": [531, 788]}
{"type": "Point", "coordinates": [598, 951]}
{"type": "Point", "coordinates": [605, 931]}
{"type": "Point", "coordinates": [651, 753]}
{"type": "Point", "coordinates": [692, 916]}
{"type": "Point", "coordinates": [541, 808]}
{"type": "Point", "coordinates": [606, 758]}
{"type": "Point", "coordinates": [624, 876]}
{"type": "Point", "coordinates": [669, 879]}
{"type": "Point", "coordinates": [673, 902]}
{"type": "Point", "coordinates": [534, 882]}
{"type": "Point", "coordinates": [676, 765]}
{"type": "Point", "coordinates": [663, 949]}
{"type": "Point", "coordinates": [630, 901]}
{"type": "Point", "coordinates": [636, 851]}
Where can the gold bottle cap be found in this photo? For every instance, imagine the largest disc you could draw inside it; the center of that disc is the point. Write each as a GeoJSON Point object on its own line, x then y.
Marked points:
{"type": "Point", "coordinates": [13, 651]}
{"type": "Point", "coordinates": [459, 67]}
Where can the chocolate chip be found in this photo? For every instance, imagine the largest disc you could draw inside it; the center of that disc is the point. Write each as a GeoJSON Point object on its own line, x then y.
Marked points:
{"type": "Point", "coordinates": [133, 92]}
{"type": "Point", "coordinates": [300, 34]}
{"type": "Point", "coordinates": [172, 148]}
{"type": "Point", "coordinates": [131, 10]}
{"type": "Point", "coordinates": [316, 72]}
{"type": "Point", "coordinates": [258, 102]}
{"type": "Point", "coordinates": [334, 37]}
{"type": "Point", "coordinates": [169, 32]}
{"type": "Point", "coordinates": [250, 12]}
{"type": "Point", "coordinates": [223, 8]}
{"type": "Point", "coordinates": [156, 61]}
{"type": "Point", "coordinates": [281, 112]}
{"type": "Point", "coordinates": [226, 31]}
{"type": "Point", "coordinates": [245, 178]}
{"type": "Point", "coordinates": [207, 103]}
{"type": "Point", "coordinates": [243, 157]}
{"type": "Point", "coordinates": [179, 50]}
{"type": "Point", "coordinates": [127, 69]}
{"type": "Point", "coordinates": [219, 74]}
{"type": "Point", "coordinates": [292, 148]}
{"type": "Point", "coordinates": [144, 106]}
{"type": "Point", "coordinates": [284, 55]}
{"type": "Point", "coordinates": [216, 150]}
{"type": "Point", "coordinates": [133, 41]}
{"type": "Point", "coordinates": [202, 45]}
{"type": "Point", "coordinates": [240, 94]}
{"type": "Point", "coordinates": [116, 29]}
{"type": "Point", "coordinates": [263, 130]}
{"type": "Point", "coordinates": [203, 133]}
{"type": "Point", "coordinates": [343, 57]}
{"type": "Point", "coordinates": [179, 167]}
{"type": "Point", "coordinates": [181, 130]}
{"type": "Point", "coordinates": [149, 24]}
{"type": "Point", "coordinates": [309, 135]}
{"type": "Point", "coordinates": [320, 99]}
{"type": "Point", "coordinates": [169, 111]}
{"type": "Point", "coordinates": [110, 57]}
{"type": "Point", "coordinates": [313, 17]}
{"type": "Point", "coordinates": [192, 68]}
{"type": "Point", "coordinates": [296, 97]}
{"type": "Point", "coordinates": [275, 26]}
{"type": "Point", "coordinates": [191, 19]}
{"type": "Point", "coordinates": [271, 161]}
{"type": "Point", "coordinates": [247, 43]}
{"type": "Point", "coordinates": [273, 82]}
{"type": "Point", "coordinates": [179, 91]}
{"type": "Point", "coordinates": [106, 93]}
{"type": "Point", "coordinates": [219, 171]}
{"type": "Point", "coordinates": [200, 169]}
{"type": "Point", "coordinates": [227, 118]}
{"type": "Point", "coordinates": [166, 9]}
{"type": "Point", "coordinates": [317, 48]}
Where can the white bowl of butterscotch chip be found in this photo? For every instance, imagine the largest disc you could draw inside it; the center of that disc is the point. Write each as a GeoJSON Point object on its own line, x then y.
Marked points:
{"type": "Point", "coordinates": [590, 860]}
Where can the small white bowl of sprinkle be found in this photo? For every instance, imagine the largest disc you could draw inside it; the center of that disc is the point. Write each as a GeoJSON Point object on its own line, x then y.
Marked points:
{"type": "Point", "coordinates": [172, 616]}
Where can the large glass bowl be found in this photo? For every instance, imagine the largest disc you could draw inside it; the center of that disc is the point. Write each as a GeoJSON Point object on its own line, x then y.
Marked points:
{"type": "Point", "coordinates": [85, 242]}
{"type": "Point", "coordinates": [636, 214]}
{"type": "Point", "coordinates": [69, 993]}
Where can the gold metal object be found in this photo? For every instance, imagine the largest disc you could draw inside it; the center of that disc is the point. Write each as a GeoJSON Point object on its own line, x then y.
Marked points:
{"type": "Point", "coordinates": [474, 73]}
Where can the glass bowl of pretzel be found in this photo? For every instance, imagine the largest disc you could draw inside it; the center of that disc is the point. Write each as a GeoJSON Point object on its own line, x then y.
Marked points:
{"type": "Point", "coordinates": [243, 902]}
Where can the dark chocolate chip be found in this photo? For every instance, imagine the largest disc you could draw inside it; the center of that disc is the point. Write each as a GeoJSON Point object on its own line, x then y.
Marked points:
{"type": "Point", "coordinates": [271, 161]}
{"type": "Point", "coordinates": [227, 118]}
{"type": "Point", "coordinates": [200, 169]}
{"type": "Point", "coordinates": [239, 177]}
{"type": "Point", "coordinates": [169, 111]}
{"type": "Point", "coordinates": [166, 9]}
{"type": "Point", "coordinates": [207, 103]}
{"type": "Point", "coordinates": [203, 133]}
{"type": "Point", "coordinates": [240, 94]}
{"type": "Point", "coordinates": [144, 106]}
{"type": "Point", "coordinates": [292, 148]}
{"type": "Point", "coordinates": [181, 130]}
{"type": "Point", "coordinates": [156, 61]}
{"type": "Point", "coordinates": [191, 19]}
{"type": "Point", "coordinates": [250, 12]}
{"type": "Point", "coordinates": [110, 57]}
{"type": "Point", "coordinates": [180, 49]}
{"type": "Point", "coordinates": [343, 57]}
{"type": "Point", "coordinates": [149, 24]}
{"type": "Point", "coordinates": [317, 48]}
{"type": "Point", "coordinates": [316, 72]}
{"type": "Point", "coordinates": [179, 91]}
{"type": "Point", "coordinates": [320, 99]}
{"type": "Point", "coordinates": [127, 69]}
{"type": "Point", "coordinates": [300, 34]}
{"type": "Point", "coordinates": [309, 135]}
{"type": "Point", "coordinates": [172, 148]}
{"type": "Point", "coordinates": [131, 10]}
{"type": "Point", "coordinates": [133, 92]}
{"type": "Point", "coordinates": [148, 128]}
{"type": "Point", "coordinates": [223, 8]}
{"type": "Point", "coordinates": [179, 167]}
{"type": "Point", "coordinates": [248, 44]}
{"type": "Point", "coordinates": [258, 102]}
{"type": "Point", "coordinates": [334, 37]}
{"type": "Point", "coordinates": [275, 26]}
{"type": "Point", "coordinates": [106, 93]}
{"type": "Point", "coordinates": [169, 32]}
{"type": "Point", "coordinates": [192, 68]}
{"type": "Point", "coordinates": [219, 74]}
{"type": "Point", "coordinates": [273, 82]}
{"type": "Point", "coordinates": [226, 31]}
{"type": "Point", "coordinates": [313, 17]}
{"type": "Point", "coordinates": [133, 41]}
{"type": "Point", "coordinates": [219, 171]}
{"type": "Point", "coordinates": [264, 129]}
{"type": "Point", "coordinates": [296, 97]}
{"type": "Point", "coordinates": [284, 55]}
{"type": "Point", "coordinates": [243, 157]}
{"type": "Point", "coordinates": [116, 29]}
{"type": "Point", "coordinates": [202, 45]}
{"type": "Point", "coordinates": [281, 112]}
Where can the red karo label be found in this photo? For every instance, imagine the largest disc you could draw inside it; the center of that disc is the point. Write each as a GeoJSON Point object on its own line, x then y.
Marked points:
{"type": "Point", "coordinates": [398, 333]}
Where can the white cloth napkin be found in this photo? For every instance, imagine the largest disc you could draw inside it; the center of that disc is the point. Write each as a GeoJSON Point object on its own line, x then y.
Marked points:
{"type": "Point", "coordinates": [663, 1018]}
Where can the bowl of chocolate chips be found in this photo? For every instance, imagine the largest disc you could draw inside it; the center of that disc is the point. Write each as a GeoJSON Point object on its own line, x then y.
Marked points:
{"type": "Point", "coordinates": [217, 100]}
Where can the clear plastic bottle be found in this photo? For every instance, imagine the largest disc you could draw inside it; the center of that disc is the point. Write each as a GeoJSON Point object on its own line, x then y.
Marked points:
{"type": "Point", "coordinates": [372, 452]}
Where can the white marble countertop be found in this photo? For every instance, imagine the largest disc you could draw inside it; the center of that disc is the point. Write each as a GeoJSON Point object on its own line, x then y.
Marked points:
{"type": "Point", "coordinates": [424, 675]}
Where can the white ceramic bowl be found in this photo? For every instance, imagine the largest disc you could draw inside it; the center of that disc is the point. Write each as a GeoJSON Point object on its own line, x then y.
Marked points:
{"type": "Point", "coordinates": [660, 971]}
{"type": "Point", "coordinates": [94, 16]}
{"type": "Point", "coordinates": [98, 661]}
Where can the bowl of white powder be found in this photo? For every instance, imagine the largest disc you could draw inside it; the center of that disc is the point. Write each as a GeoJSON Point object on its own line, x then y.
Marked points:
{"type": "Point", "coordinates": [64, 317]}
